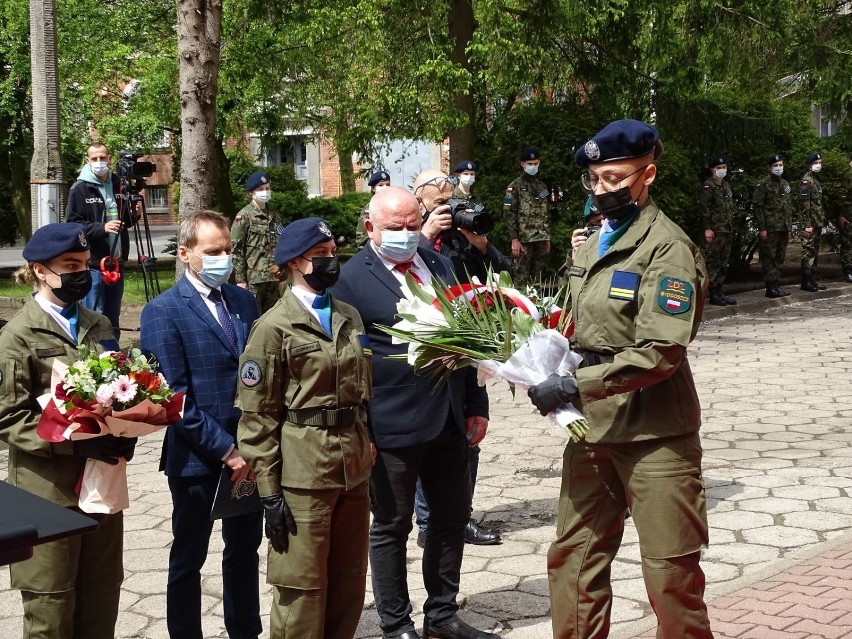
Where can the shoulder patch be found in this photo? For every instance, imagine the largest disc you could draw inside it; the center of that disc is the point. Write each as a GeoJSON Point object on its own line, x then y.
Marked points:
{"type": "Point", "coordinates": [624, 286]}
{"type": "Point", "coordinates": [674, 296]}
{"type": "Point", "coordinates": [251, 373]}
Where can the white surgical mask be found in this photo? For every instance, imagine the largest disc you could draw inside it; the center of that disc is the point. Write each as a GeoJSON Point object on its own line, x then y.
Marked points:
{"type": "Point", "coordinates": [720, 173]}
{"type": "Point", "coordinates": [778, 170]}
{"type": "Point", "coordinates": [467, 180]}
{"type": "Point", "coordinates": [263, 196]}
{"type": "Point", "coordinates": [816, 168]}
{"type": "Point", "coordinates": [399, 246]}
{"type": "Point", "coordinates": [531, 170]}
{"type": "Point", "coordinates": [215, 269]}
{"type": "Point", "coordinates": [99, 167]}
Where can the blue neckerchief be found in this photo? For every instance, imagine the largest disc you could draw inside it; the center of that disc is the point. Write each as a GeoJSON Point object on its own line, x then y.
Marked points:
{"type": "Point", "coordinates": [71, 313]}
{"type": "Point", "coordinates": [322, 305]}
{"type": "Point", "coordinates": [612, 230]}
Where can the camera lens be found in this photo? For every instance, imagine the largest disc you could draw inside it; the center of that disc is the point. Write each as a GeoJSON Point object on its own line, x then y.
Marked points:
{"type": "Point", "coordinates": [467, 218]}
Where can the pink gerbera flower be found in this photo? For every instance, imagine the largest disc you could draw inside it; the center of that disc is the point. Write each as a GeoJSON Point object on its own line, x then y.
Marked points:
{"type": "Point", "coordinates": [125, 389]}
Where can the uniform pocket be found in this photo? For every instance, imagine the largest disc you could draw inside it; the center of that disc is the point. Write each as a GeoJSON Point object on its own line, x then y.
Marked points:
{"type": "Point", "coordinates": [304, 565]}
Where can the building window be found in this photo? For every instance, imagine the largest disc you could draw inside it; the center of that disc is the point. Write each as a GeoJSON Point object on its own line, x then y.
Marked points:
{"type": "Point", "coordinates": [157, 197]}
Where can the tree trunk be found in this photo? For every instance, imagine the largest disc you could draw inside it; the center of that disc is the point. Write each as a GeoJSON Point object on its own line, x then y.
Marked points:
{"type": "Point", "coordinates": [20, 189]}
{"type": "Point", "coordinates": [347, 173]}
{"type": "Point", "coordinates": [199, 24]}
{"type": "Point", "coordinates": [461, 28]}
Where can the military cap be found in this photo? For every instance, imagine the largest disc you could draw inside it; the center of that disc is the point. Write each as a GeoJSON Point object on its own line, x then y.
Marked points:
{"type": "Point", "coordinates": [378, 176]}
{"type": "Point", "coordinates": [256, 180]}
{"type": "Point", "coordinates": [619, 140]}
{"type": "Point", "coordinates": [813, 157]}
{"type": "Point", "coordinates": [530, 154]}
{"type": "Point", "coordinates": [772, 159]}
{"type": "Point", "coordinates": [716, 161]}
{"type": "Point", "coordinates": [589, 210]}
{"type": "Point", "coordinates": [467, 165]}
{"type": "Point", "coordinates": [299, 236]}
{"type": "Point", "coordinates": [52, 240]}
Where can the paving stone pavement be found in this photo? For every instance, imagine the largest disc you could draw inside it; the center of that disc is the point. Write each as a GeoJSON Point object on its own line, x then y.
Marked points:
{"type": "Point", "coordinates": [777, 407]}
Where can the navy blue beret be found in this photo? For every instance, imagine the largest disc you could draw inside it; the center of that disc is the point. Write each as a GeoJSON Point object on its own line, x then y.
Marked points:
{"type": "Point", "coordinates": [378, 176]}
{"type": "Point", "coordinates": [619, 140]}
{"type": "Point", "coordinates": [772, 159]}
{"type": "Point", "coordinates": [256, 180]}
{"type": "Point", "coordinates": [299, 236]}
{"type": "Point", "coordinates": [52, 240]}
{"type": "Point", "coordinates": [530, 154]}
{"type": "Point", "coordinates": [467, 165]}
{"type": "Point", "coordinates": [716, 161]}
{"type": "Point", "coordinates": [813, 157]}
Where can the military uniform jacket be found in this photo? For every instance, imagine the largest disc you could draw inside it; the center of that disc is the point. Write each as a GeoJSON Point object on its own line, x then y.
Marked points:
{"type": "Point", "coordinates": [290, 363]}
{"type": "Point", "coordinates": [29, 344]}
{"type": "Point", "coordinates": [255, 235]}
{"type": "Point", "coordinates": [810, 202]}
{"type": "Point", "coordinates": [637, 308]}
{"type": "Point", "coordinates": [526, 209]}
{"type": "Point", "coordinates": [773, 209]}
{"type": "Point", "coordinates": [475, 202]}
{"type": "Point", "coordinates": [717, 206]}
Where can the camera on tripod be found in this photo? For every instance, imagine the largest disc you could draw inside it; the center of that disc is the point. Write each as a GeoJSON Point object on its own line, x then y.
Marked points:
{"type": "Point", "coordinates": [471, 219]}
{"type": "Point", "coordinates": [132, 172]}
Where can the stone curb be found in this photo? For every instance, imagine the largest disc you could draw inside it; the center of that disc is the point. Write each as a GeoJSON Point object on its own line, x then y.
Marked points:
{"type": "Point", "coordinates": [760, 304]}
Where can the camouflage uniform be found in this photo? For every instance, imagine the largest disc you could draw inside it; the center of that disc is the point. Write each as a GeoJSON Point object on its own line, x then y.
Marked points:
{"type": "Point", "coordinates": [361, 237]}
{"type": "Point", "coordinates": [773, 211]}
{"type": "Point", "coordinates": [846, 243]}
{"type": "Point", "coordinates": [528, 219]}
{"type": "Point", "coordinates": [255, 234]}
{"type": "Point", "coordinates": [813, 216]}
{"type": "Point", "coordinates": [717, 210]}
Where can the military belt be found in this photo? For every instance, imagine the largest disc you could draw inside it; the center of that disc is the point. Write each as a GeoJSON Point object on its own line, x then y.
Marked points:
{"type": "Point", "coordinates": [593, 358]}
{"type": "Point", "coordinates": [324, 417]}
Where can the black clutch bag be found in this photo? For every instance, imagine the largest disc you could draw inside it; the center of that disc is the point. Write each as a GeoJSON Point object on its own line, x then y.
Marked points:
{"type": "Point", "coordinates": [234, 499]}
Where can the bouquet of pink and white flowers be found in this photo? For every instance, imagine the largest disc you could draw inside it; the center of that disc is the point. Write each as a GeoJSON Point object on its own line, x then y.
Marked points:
{"type": "Point", "coordinates": [109, 393]}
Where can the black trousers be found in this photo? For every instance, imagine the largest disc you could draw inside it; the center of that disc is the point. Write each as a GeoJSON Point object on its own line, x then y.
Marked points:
{"type": "Point", "coordinates": [442, 466]}
{"type": "Point", "coordinates": [192, 498]}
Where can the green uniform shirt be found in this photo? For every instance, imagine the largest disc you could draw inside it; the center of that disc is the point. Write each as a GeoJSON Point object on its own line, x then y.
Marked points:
{"type": "Point", "coordinates": [717, 206]}
{"type": "Point", "coordinates": [810, 202]}
{"type": "Point", "coordinates": [29, 344]}
{"type": "Point", "coordinates": [773, 209]}
{"type": "Point", "coordinates": [255, 235]}
{"type": "Point", "coordinates": [638, 306]}
{"type": "Point", "coordinates": [297, 365]}
{"type": "Point", "coordinates": [526, 209]}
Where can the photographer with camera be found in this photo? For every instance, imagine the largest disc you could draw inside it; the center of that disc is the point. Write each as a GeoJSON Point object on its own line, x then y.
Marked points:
{"type": "Point", "coordinates": [105, 209]}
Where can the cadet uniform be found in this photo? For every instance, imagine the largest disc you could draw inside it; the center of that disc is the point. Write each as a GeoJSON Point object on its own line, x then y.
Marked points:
{"type": "Point", "coordinates": [636, 308]}
{"type": "Point", "coordinates": [528, 220]}
{"type": "Point", "coordinates": [70, 587]}
{"type": "Point", "coordinates": [717, 213]}
{"type": "Point", "coordinates": [773, 212]}
{"type": "Point", "coordinates": [813, 217]}
{"type": "Point", "coordinates": [254, 234]}
{"type": "Point", "coordinates": [303, 431]}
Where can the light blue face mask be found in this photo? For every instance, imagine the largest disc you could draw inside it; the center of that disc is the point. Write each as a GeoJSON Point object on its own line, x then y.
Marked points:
{"type": "Point", "coordinates": [531, 170]}
{"type": "Point", "coordinates": [215, 269]}
{"type": "Point", "coordinates": [399, 246]}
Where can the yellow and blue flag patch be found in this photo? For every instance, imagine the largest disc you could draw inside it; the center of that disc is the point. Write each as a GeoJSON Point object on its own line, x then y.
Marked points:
{"type": "Point", "coordinates": [624, 286]}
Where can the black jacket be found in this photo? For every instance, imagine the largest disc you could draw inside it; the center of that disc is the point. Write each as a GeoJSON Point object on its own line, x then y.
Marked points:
{"type": "Point", "coordinates": [86, 206]}
{"type": "Point", "coordinates": [466, 258]}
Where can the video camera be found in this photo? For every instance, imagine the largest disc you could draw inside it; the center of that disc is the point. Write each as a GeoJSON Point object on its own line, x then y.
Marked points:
{"type": "Point", "coordinates": [471, 219]}
{"type": "Point", "coordinates": [132, 172]}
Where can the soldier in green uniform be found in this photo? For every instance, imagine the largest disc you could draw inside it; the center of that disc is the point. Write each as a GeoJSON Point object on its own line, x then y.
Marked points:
{"type": "Point", "coordinates": [637, 293]}
{"type": "Point", "coordinates": [378, 180]}
{"type": "Point", "coordinates": [773, 211]}
{"type": "Point", "coordinates": [813, 221]}
{"type": "Point", "coordinates": [717, 214]}
{"type": "Point", "coordinates": [844, 217]}
{"type": "Point", "coordinates": [528, 219]}
{"type": "Point", "coordinates": [465, 173]}
{"type": "Point", "coordinates": [70, 587]}
{"type": "Point", "coordinates": [254, 233]}
{"type": "Point", "coordinates": [305, 377]}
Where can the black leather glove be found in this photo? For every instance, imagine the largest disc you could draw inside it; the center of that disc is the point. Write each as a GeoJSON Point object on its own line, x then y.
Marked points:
{"type": "Point", "coordinates": [107, 448]}
{"type": "Point", "coordinates": [554, 392]}
{"type": "Point", "coordinates": [127, 446]}
{"type": "Point", "coordinates": [279, 522]}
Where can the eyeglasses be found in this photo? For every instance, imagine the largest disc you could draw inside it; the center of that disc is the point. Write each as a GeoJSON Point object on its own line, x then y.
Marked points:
{"type": "Point", "coordinates": [610, 182]}
{"type": "Point", "coordinates": [440, 182]}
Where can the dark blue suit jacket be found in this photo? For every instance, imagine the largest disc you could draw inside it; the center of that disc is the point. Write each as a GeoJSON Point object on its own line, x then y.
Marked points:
{"type": "Point", "coordinates": [405, 409]}
{"type": "Point", "coordinates": [196, 355]}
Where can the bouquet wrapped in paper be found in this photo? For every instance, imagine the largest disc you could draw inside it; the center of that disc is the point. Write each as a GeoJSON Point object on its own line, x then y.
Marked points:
{"type": "Point", "coordinates": [520, 338]}
{"type": "Point", "coordinates": [109, 393]}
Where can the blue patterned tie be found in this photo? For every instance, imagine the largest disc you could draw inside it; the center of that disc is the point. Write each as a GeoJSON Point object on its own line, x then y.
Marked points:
{"type": "Point", "coordinates": [70, 313]}
{"type": "Point", "coordinates": [224, 316]}
{"type": "Point", "coordinates": [322, 305]}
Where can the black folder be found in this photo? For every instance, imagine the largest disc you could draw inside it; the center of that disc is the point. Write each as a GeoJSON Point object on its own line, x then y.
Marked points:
{"type": "Point", "coordinates": [232, 500]}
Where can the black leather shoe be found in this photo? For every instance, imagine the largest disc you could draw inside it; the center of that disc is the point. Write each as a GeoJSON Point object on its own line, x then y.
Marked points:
{"type": "Point", "coordinates": [847, 276]}
{"type": "Point", "coordinates": [773, 292]}
{"type": "Point", "coordinates": [456, 629]}
{"type": "Point", "coordinates": [820, 285]}
{"type": "Point", "coordinates": [728, 300]}
{"type": "Point", "coordinates": [809, 285]}
{"type": "Point", "coordinates": [411, 634]}
{"type": "Point", "coordinates": [479, 536]}
{"type": "Point", "coordinates": [421, 538]}
{"type": "Point", "coordinates": [784, 293]}
{"type": "Point", "coordinates": [717, 300]}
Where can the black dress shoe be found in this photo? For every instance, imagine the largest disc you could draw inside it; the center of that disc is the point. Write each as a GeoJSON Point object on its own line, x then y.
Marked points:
{"type": "Point", "coordinates": [773, 292]}
{"type": "Point", "coordinates": [455, 629]}
{"type": "Point", "coordinates": [410, 634]}
{"type": "Point", "coordinates": [809, 285]}
{"type": "Point", "coordinates": [479, 536]}
{"type": "Point", "coordinates": [421, 538]}
{"type": "Point", "coordinates": [784, 293]}
{"type": "Point", "coordinates": [729, 300]}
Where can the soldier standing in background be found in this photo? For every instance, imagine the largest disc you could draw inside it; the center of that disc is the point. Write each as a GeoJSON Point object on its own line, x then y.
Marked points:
{"type": "Point", "coordinates": [378, 180]}
{"type": "Point", "coordinates": [466, 176]}
{"type": "Point", "coordinates": [813, 221]}
{"type": "Point", "coordinates": [845, 229]}
{"type": "Point", "coordinates": [528, 218]}
{"type": "Point", "coordinates": [255, 233]}
{"type": "Point", "coordinates": [774, 215]}
{"type": "Point", "coordinates": [717, 211]}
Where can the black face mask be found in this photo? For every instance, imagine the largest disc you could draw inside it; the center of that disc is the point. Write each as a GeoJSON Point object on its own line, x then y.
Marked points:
{"type": "Point", "coordinates": [74, 285]}
{"type": "Point", "coordinates": [616, 205]}
{"type": "Point", "coordinates": [325, 273]}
